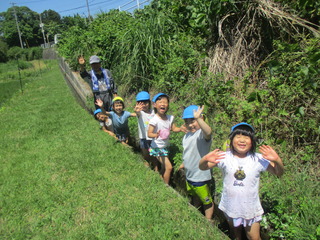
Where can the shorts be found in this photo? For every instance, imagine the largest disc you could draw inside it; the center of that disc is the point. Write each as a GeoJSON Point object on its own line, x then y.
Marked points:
{"type": "Point", "coordinates": [203, 192]}
{"type": "Point", "coordinates": [241, 221]}
{"type": "Point", "coordinates": [121, 137]}
{"type": "Point", "coordinates": [158, 152]}
{"type": "Point", "coordinates": [144, 143]}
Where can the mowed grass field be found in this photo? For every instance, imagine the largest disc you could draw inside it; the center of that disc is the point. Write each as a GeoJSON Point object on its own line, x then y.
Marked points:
{"type": "Point", "coordinates": [63, 178]}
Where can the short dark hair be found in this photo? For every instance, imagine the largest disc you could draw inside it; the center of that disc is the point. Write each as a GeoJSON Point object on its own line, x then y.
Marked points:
{"type": "Point", "coordinates": [118, 101]}
{"type": "Point", "coordinates": [159, 98]}
{"type": "Point", "coordinates": [246, 131]}
{"type": "Point", "coordinates": [149, 101]}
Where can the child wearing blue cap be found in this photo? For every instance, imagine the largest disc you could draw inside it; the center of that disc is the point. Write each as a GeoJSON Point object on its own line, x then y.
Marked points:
{"type": "Point", "coordinates": [196, 144]}
{"type": "Point", "coordinates": [241, 167]}
{"type": "Point", "coordinates": [159, 130]}
{"type": "Point", "coordinates": [104, 121]}
{"type": "Point", "coordinates": [144, 115]}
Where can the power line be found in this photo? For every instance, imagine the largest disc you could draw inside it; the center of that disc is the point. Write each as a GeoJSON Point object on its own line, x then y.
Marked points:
{"type": "Point", "coordinates": [84, 6]}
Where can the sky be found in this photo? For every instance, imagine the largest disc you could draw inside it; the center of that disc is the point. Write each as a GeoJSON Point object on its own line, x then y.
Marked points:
{"type": "Point", "coordinates": [70, 7]}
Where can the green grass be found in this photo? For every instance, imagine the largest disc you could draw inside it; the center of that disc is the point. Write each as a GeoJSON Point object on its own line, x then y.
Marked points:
{"type": "Point", "coordinates": [62, 178]}
{"type": "Point", "coordinates": [11, 81]}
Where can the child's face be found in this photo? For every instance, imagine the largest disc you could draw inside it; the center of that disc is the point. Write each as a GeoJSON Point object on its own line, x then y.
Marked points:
{"type": "Point", "coordinates": [192, 125]}
{"type": "Point", "coordinates": [118, 107]}
{"type": "Point", "coordinates": [241, 144]}
{"type": "Point", "coordinates": [162, 105]}
{"type": "Point", "coordinates": [145, 105]}
{"type": "Point", "coordinates": [102, 117]}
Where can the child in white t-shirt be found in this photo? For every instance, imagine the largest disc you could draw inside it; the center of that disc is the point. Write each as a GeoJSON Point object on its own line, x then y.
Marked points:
{"type": "Point", "coordinates": [159, 129]}
{"type": "Point", "coordinates": [144, 115]}
{"type": "Point", "coordinates": [241, 168]}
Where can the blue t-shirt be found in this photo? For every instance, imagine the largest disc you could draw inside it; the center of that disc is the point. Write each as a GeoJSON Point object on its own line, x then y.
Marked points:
{"type": "Point", "coordinates": [120, 123]}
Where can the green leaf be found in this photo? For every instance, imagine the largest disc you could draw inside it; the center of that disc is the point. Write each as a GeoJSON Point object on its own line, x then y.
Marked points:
{"type": "Point", "coordinates": [301, 111]}
{"type": "Point", "coordinates": [305, 70]}
{"type": "Point", "coordinates": [283, 112]}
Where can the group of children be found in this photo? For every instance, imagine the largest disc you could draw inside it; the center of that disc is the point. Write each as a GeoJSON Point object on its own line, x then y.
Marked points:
{"type": "Point", "coordinates": [241, 165]}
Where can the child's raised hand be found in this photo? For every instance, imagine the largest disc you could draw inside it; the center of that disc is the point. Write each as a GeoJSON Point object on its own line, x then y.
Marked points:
{"type": "Point", "coordinates": [197, 113]}
{"type": "Point", "coordinates": [269, 153]}
{"type": "Point", "coordinates": [99, 102]}
{"type": "Point", "coordinates": [211, 159]}
{"type": "Point", "coordinates": [138, 107]}
{"type": "Point", "coordinates": [215, 156]}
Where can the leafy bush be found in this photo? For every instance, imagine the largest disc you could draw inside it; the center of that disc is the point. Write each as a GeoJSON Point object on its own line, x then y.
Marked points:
{"type": "Point", "coordinates": [34, 53]}
{"type": "Point", "coordinates": [26, 54]}
{"type": "Point", "coordinates": [16, 53]}
{"type": "Point", "coordinates": [3, 51]}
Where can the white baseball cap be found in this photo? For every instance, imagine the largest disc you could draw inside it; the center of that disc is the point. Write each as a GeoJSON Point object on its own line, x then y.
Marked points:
{"type": "Point", "coordinates": [94, 59]}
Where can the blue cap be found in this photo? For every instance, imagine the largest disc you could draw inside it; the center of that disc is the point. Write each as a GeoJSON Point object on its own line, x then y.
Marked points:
{"type": "Point", "coordinates": [97, 111]}
{"type": "Point", "coordinates": [154, 99]}
{"type": "Point", "coordinates": [241, 124]}
{"type": "Point", "coordinates": [143, 96]}
{"type": "Point", "coordinates": [188, 111]}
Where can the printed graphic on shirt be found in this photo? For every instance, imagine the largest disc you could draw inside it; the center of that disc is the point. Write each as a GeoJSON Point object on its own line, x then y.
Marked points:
{"type": "Point", "coordinates": [146, 123]}
{"type": "Point", "coordinates": [239, 174]}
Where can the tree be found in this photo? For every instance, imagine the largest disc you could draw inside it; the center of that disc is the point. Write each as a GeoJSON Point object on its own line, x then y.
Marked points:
{"type": "Point", "coordinates": [28, 23]}
{"type": "Point", "coordinates": [52, 23]}
{"type": "Point", "coordinates": [50, 16]}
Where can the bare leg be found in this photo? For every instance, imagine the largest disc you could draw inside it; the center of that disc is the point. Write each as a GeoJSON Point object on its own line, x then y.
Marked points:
{"type": "Point", "coordinates": [150, 159]}
{"type": "Point", "coordinates": [208, 210]}
{"type": "Point", "coordinates": [253, 231]}
{"type": "Point", "coordinates": [166, 168]}
{"type": "Point", "coordinates": [236, 232]}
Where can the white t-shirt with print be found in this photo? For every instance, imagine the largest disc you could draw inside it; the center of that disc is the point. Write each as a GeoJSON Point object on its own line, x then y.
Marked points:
{"type": "Point", "coordinates": [241, 177]}
{"type": "Point", "coordinates": [164, 126]}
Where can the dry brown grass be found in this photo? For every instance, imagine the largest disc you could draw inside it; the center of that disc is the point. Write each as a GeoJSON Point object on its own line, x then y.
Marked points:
{"type": "Point", "coordinates": [245, 39]}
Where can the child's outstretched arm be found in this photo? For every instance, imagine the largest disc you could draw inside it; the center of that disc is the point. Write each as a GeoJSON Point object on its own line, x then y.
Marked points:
{"type": "Point", "coordinates": [133, 114]}
{"type": "Point", "coordinates": [211, 159]}
{"type": "Point", "coordinates": [174, 128]}
{"type": "Point", "coordinates": [206, 129]}
{"type": "Point", "coordinates": [276, 166]}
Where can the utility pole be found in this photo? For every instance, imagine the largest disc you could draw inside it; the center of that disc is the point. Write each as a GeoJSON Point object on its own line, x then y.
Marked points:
{"type": "Point", "coordinates": [15, 15]}
{"type": "Point", "coordinates": [88, 12]}
{"type": "Point", "coordinates": [41, 25]}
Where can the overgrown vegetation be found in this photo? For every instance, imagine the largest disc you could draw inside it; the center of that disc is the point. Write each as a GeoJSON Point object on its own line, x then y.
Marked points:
{"type": "Point", "coordinates": [255, 61]}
